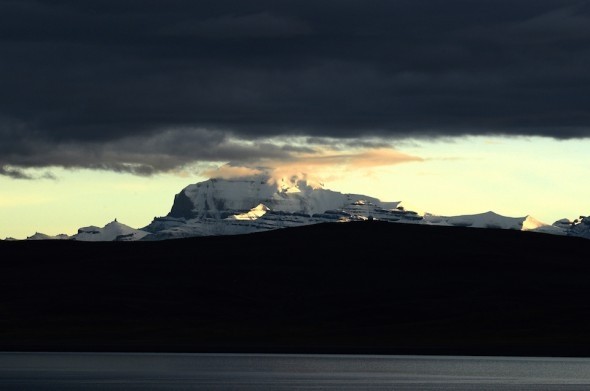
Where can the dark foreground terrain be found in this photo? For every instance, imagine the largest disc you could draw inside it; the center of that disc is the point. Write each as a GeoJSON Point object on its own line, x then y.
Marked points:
{"type": "Point", "coordinates": [332, 288]}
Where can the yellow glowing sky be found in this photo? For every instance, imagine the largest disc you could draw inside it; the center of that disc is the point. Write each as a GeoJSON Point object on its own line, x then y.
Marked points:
{"type": "Point", "coordinates": [512, 176]}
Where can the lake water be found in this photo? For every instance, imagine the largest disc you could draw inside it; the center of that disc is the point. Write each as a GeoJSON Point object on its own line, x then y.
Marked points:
{"type": "Point", "coordinates": [113, 371]}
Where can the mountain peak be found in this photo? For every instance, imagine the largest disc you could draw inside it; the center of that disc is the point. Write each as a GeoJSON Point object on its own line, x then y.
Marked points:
{"type": "Point", "coordinates": [111, 231]}
{"type": "Point", "coordinates": [116, 223]}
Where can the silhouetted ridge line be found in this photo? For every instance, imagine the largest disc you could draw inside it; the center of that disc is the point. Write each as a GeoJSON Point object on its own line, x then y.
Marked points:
{"type": "Point", "coordinates": [365, 287]}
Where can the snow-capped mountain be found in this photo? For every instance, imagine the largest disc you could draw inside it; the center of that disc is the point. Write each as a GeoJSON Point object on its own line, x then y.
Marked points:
{"type": "Point", "coordinates": [226, 207]}
{"type": "Point", "coordinates": [579, 227]}
{"type": "Point", "coordinates": [113, 231]}
{"type": "Point", "coordinates": [41, 236]}
{"type": "Point", "coordinates": [221, 198]}
{"type": "Point", "coordinates": [237, 206]}
{"type": "Point", "coordinates": [486, 220]}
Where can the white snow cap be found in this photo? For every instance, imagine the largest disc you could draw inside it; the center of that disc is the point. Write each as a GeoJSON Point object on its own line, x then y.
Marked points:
{"type": "Point", "coordinates": [216, 196]}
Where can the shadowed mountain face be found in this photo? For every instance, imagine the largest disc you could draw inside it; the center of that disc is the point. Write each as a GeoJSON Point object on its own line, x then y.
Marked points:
{"type": "Point", "coordinates": [359, 287]}
{"type": "Point", "coordinates": [182, 206]}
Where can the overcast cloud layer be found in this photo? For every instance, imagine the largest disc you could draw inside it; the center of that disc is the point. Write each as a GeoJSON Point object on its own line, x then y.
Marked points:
{"type": "Point", "coordinates": [146, 86]}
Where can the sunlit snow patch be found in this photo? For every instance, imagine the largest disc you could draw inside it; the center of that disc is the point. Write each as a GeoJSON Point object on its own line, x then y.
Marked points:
{"type": "Point", "coordinates": [252, 214]}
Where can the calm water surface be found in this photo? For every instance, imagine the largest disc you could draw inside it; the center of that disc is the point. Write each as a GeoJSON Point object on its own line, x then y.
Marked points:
{"type": "Point", "coordinates": [106, 371]}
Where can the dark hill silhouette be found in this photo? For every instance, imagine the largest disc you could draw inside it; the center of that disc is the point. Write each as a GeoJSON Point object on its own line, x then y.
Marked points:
{"type": "Point", "coordinates": [366, 287]}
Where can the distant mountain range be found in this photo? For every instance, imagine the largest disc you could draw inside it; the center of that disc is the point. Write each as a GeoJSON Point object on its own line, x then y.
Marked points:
{"type": "Point", "coordinates": [238, 206]}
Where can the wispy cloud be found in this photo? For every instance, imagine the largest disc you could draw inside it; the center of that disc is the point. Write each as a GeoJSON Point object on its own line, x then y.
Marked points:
{"type": "Point", "coordinates": [317, 167]}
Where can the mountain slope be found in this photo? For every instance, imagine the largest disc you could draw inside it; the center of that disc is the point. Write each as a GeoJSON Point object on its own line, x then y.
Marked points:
{"type": "Point", "coordinates": [580, 227]}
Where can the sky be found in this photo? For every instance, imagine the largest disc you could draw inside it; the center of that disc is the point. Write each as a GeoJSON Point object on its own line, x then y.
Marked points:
{"type": "Point", "coordinates": [109, 108]}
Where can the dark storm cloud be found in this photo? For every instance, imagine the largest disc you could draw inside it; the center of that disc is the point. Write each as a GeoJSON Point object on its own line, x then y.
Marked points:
{"type": "Point", "coordinates": [79, 80]}
{"type": "Point", "coordinates": [141, 155]}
